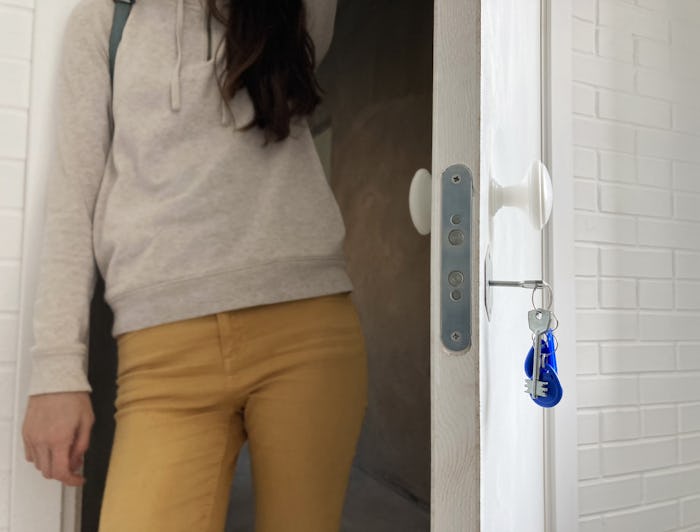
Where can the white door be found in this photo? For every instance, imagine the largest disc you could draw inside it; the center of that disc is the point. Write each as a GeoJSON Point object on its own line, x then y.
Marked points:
{"type": "Point", "coordinates": [487, 469]}
{"type": "Point", "coordinates": [512, 435]}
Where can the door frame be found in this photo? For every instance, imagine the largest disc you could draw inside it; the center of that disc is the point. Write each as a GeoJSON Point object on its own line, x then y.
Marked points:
{"type": "Point", "coordinates": [560, 438]}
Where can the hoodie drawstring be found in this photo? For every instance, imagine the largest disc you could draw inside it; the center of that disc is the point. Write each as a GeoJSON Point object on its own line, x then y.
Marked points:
{"type": "Point", "coordinates": [225, 118]}
{"type": "Point", "coordinates": [175, 78]}
{"type": "Point", "coordinates": [242, 105]}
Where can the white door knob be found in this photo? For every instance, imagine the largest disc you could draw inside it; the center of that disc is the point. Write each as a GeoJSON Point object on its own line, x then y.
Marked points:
{"type": "Point", "coordinates": [420, 198]}
{"type": "Point", "coordinates": [533, 195]}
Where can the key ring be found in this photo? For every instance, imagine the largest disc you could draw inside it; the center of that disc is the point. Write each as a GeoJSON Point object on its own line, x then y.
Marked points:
{"type": "Point", "coordinates": [542, 284]}
{"type": "Point", "coordinates": [557, 319]}
{"type": "Point", "coordinates": [534, 283]}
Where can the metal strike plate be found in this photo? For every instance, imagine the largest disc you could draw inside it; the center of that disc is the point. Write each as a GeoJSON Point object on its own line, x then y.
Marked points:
{"type": "Point", "coordinates": [456, 255]}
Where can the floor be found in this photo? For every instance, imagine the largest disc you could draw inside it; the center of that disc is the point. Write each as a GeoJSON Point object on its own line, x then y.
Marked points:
{"type": "Point", "coordinates": [370, 505]}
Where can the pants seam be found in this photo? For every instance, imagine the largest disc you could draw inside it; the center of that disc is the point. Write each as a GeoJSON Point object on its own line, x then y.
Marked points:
{"type": "Point", "coordinates": [210, 512]}
{"type": "Point", "coordinates": [224, 333]}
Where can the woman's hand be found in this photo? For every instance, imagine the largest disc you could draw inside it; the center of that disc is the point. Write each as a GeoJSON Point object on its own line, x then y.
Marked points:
{"type": "Point", "coordinates": [56, 434]}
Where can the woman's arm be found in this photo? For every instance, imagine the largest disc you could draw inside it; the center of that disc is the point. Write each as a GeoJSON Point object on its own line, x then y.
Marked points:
{"type": "Point", "coordinates": [82, 138]}
{"type": "Point", "coordinates": [320, 22]}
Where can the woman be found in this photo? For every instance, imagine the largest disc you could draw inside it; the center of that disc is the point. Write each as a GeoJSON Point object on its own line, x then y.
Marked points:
{"type": "Point", "coordinates": [196, 190]}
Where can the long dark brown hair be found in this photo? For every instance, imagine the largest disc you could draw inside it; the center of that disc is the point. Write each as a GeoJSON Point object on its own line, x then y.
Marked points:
{"type": "Point", "coordinates": [269, 50]}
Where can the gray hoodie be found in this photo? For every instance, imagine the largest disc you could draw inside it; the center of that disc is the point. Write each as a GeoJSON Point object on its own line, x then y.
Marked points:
{"type": "Point", "coordinates": [183, 213]}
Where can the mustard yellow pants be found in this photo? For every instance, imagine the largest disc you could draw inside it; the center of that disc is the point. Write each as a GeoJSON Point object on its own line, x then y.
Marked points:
{"type": "Point", "coordinates": [289, 377]}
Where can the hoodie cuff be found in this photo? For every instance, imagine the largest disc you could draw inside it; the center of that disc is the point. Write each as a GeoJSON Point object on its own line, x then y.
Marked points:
{"type": "Point", "coordinates": [58, 373]}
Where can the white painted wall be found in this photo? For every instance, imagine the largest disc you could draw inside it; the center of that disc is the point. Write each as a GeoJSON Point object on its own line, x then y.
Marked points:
{"type": "Point", "coordinates": [16, 19]}
{"type": "Point", "coordinates": [29, 29]}
{"type": "Point", "coordinates": [637, 230]}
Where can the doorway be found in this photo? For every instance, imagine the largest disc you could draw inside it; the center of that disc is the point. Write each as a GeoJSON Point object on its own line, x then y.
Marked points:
{"type": "Point", "coordinates": [372, 132]}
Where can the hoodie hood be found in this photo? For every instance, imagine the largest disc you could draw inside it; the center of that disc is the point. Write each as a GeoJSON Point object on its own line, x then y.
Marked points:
{"type": "Point", "coordinates": [190, 16]}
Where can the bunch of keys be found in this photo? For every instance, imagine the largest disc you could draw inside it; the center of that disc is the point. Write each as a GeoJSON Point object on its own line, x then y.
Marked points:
{"type": "Point", "coordinates": [542, 382]}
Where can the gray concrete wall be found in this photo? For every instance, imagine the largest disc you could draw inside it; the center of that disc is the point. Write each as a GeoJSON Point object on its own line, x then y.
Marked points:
{"type": "Point", "coordinates": [378, 78]}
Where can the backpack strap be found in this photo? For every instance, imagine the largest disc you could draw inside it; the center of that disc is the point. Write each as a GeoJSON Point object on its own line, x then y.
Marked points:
{"type": "Point", "coordinates": [122, 8]}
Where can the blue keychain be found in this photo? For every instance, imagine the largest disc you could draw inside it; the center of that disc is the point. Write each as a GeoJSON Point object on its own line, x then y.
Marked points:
{"type": "Point", "coordinates": [552, 353]}
{"type": "Point", "coordinates": [547, 373]}
{"type": "Point", "coordinates": [544, 346]}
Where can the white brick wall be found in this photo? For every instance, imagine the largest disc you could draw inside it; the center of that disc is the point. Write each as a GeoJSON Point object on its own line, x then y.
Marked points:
{"type": "Point", "coordinates": [637, 189]}
{"type": "Point", "coordinates": [16, 17]}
